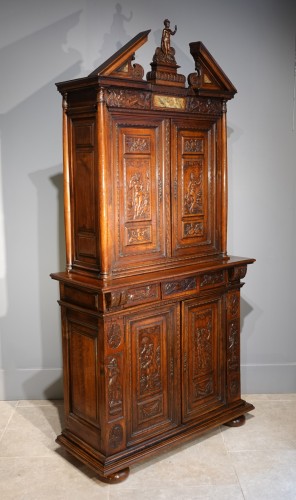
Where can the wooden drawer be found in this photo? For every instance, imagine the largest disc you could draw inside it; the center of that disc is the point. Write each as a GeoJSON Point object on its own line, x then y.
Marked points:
{"type": "Point", "coordinates": [179, 287]}
{"type": "Point", "coordinates": [132, 296]}
{"type": "Point", "coordinates": [212, 279]}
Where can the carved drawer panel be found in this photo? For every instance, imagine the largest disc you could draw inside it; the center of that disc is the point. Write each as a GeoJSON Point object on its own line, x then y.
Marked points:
{"type": "Point", "coordinates": [132, 296]}
{"type": "Point", "coordinates": [177, 287]}
{"type": "Point", "coordinates": [212, 279]}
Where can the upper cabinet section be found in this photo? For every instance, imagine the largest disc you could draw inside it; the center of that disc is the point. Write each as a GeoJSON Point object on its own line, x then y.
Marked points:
{"type": "Point", "coordinates": [145, 163]}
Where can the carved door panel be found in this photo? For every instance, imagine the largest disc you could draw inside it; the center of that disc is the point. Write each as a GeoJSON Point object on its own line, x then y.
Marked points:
{"type": "Point", "coordinates": [203, 361]}
{"type": "Point", "coordinates": [154, 340]}
{"type": "Point", "coordinates": [194, 190]}
{"type": "Point", "coordinates": [141, 188]}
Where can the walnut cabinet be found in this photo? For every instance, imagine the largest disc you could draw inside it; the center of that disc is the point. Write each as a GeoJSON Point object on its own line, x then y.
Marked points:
{"type": "Point", "coordinates": [150, 300]}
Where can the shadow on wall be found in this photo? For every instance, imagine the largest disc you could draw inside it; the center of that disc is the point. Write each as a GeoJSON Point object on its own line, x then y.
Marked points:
{"type": "Point", "coordinates": [31, 136]}
{"type": "Point", "coordinates": [30, 126]}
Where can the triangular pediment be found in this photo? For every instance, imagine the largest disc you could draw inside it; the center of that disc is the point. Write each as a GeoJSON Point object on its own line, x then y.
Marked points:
{"type": "Point", "coordinates": [120, 63]}
{"type": "Point", "coordinates": [209, 78]}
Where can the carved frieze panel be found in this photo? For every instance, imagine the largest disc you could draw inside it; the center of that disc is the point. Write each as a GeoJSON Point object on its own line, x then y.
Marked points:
{"type": "Point", "coordinates": [128, 99]}
{"type": "Point", "coordinates": [205, 106]}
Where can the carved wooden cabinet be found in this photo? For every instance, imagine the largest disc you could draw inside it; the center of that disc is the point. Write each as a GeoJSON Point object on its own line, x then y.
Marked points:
{"type": "Point", "coordinates": [150, 299]}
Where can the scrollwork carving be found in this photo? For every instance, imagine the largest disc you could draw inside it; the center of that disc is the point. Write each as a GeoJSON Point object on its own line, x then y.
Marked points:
{"type": "Point", "coordinates": [128, 99]}
{"type": "Point", "coordinates": [203, 105]}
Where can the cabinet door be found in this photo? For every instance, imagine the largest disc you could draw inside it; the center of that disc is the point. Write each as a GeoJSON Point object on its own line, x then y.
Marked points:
{"type": "Point", "coordinates": [141, 181]}
{"type": "Point", "coordinates": [196, 187]}
{"type": "Point", "coordinates": [203, 357]}
{"type": "Point", "coordinates": [153, 339]}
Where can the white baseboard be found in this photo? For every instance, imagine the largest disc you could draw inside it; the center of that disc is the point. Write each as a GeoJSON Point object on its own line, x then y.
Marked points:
{"type": "Point", "coordinates": [268, 379]}
{"type": "Point", "coordinates": [47, 383]}
{"type": "Point", "coordinates": [31, 384]}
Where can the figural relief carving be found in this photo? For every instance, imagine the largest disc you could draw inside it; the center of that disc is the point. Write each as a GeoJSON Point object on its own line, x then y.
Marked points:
{"type": "Point", "coordinates": [114, 386]}
{"type": "Point", "coordinates": [193, 194]}
{"type": "Point", "coordinates": [149, 360]}
{"type": "Point", "coordinates": [138, 196]}
{"type": "Point", "coordinates": [203, 339]}
{"type": "Point", "coordinates": [233, 346]}
{"type": "Point", "coordinates": [114, 336]}
{"type": "Point", "coordinates": [115, 436]}
{"type": "Point", "coordinates": [233, 304]}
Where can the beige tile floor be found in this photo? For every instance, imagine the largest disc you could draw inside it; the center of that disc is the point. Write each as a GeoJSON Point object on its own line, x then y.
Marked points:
{"type": "Point", "coordinates": [253, 462]}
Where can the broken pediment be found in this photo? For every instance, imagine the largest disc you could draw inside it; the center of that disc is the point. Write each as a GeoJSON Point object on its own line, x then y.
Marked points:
{"type": "Point", "coordinates": [209, 78]}
{"type": "Point", "coordinates": [120, 63]}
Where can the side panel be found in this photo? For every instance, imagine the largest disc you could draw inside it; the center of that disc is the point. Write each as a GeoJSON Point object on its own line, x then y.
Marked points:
{"type": "Point", "coordinates": [84, 192]}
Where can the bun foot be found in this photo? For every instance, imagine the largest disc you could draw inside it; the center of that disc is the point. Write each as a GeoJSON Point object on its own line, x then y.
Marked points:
{"type": "Point", "coordinates": [236, 422]}
{"type": "Point", "coordinates": [117, 477]}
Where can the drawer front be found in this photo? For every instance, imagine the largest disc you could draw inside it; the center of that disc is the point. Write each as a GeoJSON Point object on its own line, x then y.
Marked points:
{"type": "Point", "coordinates": [212, 279]}
{"type": "Point", "coordinates": [132, 296]}
{"type": "Point", "coordinates": [179, 287]}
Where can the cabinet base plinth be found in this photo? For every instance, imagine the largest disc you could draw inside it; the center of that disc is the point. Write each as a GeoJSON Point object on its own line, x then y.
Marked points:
{"type": "Point", "coordinates": [115, 469]}
{"type": "Point", "coordinates": [236, 422]}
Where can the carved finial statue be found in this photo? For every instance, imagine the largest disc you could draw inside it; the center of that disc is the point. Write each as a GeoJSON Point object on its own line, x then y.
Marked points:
{"type": "Point", "coordinates": [166, 37]}
{"type": "Point", "coordinates": [164, 66]}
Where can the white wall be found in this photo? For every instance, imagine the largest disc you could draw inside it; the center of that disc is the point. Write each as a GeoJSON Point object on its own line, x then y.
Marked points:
{"type": "Point", "coordinates": [43, 42]}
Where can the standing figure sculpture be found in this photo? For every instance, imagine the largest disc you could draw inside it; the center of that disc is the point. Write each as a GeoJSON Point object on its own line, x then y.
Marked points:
{"type": "Point", "coordinates": [166, 37]}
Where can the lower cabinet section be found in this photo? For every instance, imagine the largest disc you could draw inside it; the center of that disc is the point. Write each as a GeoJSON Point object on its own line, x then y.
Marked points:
{"type": "Point", "coordinates": [143, 378]}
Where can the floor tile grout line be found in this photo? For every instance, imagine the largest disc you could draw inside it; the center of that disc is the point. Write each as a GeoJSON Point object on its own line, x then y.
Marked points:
{"type": "Point", "coordinates": [8, 422]}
